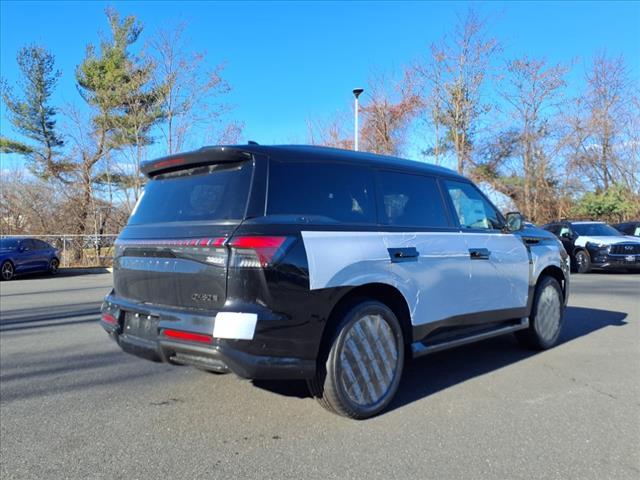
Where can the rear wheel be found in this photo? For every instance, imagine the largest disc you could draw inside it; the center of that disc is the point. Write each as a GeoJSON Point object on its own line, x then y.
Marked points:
{"type": "Point", "coordinates": [547, 316]}
{"type": "Point", "coordinates": [54, 265]}
{"type": "Point", "coordinates": [360, 373]}
{"type": "Point", "coordinates": [7, 271]}
{"type": "Point", "coordinates": [583, 262]}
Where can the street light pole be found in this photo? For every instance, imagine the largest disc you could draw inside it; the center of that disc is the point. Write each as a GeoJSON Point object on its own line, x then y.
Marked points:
{"type": "Point", "coordinates": [356, 93]}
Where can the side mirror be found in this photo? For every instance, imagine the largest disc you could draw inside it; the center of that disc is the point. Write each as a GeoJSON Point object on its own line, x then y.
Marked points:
{"type": "Point", "coordinates": [21, 248]}
{"type": "Point", "coordinates": [515, 222]}
{"type": "Point", "coordinates": [566, 235]}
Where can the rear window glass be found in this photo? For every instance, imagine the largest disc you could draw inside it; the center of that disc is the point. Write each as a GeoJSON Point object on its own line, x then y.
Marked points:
{"type": "Point", "coordinates": [411, 201]}
{"type": "Point", "coordinates": [9, 243]}
{"type": "Point", "coordinates": [211, 193]}
{"type": "Point", "coordinates": [343, 193]}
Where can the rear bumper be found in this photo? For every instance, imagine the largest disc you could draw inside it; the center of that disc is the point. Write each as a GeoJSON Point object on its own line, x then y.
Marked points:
{"type": "Point", "coordinates": [220, 355]}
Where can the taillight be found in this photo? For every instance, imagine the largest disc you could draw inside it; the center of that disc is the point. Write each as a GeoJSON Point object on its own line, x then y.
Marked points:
{"type": "Point", "coordinates": [212, 250]}
{"type": "Point", "coordinates": [256, 251]}
{"type": "Point", "coordinates": [108, 318]}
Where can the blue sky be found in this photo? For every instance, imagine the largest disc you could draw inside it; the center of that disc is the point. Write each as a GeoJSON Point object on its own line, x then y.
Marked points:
{"type": "Point", "coordinates": [288, 62]}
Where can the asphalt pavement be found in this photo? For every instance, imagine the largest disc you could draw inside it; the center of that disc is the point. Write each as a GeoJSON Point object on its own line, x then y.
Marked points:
{"type": "Point", "coordinates": [73, 406]}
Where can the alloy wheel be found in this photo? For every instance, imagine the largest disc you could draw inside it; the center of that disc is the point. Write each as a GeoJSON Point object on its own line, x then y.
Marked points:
{"type": "Point", "coordinates": [368, 361]}
{"type": "Point", "coordinates": [7, 271]}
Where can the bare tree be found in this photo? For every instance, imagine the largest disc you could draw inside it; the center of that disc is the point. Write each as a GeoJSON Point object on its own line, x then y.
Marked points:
{"type": "Point", "coordinates": [387, 112]}
{"type": "Point", "coordinates": [192, 93]}
{"type": "Point", "coordinates": [331, 132]}
{"type": "Point", "coordinates": [452, 79]}
{"type": "Point", "coordinates": [600, 145]}
{"type": "Point", "coordinates": [532, 91]}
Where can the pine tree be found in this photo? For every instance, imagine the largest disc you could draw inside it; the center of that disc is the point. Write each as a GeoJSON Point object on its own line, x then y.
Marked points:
{"type": "Point", "coordinates": [32, 114]}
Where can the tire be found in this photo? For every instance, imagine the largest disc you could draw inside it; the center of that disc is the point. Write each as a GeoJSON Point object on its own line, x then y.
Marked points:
{"type": "Point", "coordinates": [359, 371]}
{"type": "Point", "coordinates": [7, 271]}
{"type": "Point", "coordinates": [54, 265]}
{"type": "Point", "coordinates": [583, 261]}
{"type": "Point", "coordinates": [547, 316]}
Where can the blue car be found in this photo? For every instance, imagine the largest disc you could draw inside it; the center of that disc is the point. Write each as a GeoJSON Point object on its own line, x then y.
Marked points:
{"type": "Point", "coordinates": [26, 255]}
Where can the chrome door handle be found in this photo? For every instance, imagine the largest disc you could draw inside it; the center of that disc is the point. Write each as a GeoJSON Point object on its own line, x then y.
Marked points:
{"type": "Point", "coordinates": [479, 253]}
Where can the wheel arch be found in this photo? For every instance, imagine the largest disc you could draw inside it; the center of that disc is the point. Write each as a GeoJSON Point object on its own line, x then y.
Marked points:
{"type": "Point", "coordinates": [580, 249]}
{"type": "Point", "coordinates": [557, 273]}
{"type": "Point", "coordinates": [381, 292]}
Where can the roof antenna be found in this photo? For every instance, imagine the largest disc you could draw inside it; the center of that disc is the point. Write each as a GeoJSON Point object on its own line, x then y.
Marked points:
{"type": "Point", "coordinates": [251, 142]}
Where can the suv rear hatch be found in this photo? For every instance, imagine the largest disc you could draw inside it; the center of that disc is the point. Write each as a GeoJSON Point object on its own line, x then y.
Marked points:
{"type": "Point", "coordinates": [172, 252]}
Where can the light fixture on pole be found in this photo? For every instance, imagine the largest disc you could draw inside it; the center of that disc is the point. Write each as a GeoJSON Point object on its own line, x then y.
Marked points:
{"type": "Point", "coordinates": [356, 93]}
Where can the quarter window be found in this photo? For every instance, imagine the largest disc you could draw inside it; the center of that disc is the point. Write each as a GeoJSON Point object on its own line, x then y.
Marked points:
{"type": "Point", "coordinates": [410, 201]}
{"type": "Point", "coordinates": [329, 191]}
{"type": "Point", "coordinates": [473, 210]}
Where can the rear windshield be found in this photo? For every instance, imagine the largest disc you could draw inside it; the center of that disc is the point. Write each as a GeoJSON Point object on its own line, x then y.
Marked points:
{"type": "Point", "coordinates": [211, 193]}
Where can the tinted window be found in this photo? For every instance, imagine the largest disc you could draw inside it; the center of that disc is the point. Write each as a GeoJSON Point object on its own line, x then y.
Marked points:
{"type": "Point", "coordinates": [212, 192]}
{"type": "Point", "coordinates": [595, 230]}
{"type": "Point", "coordinates": [410, 201]}
{"type": "Point", "coordinates": [473, 210]}
{"type": "Point", "coordinates": [9, 243]}
{"type": "Point", "coordinates": [343, 193]}
{"type": "Point", "coordinates": [40, 245]}
{"type": "Point", "coordinates": [27, 244]}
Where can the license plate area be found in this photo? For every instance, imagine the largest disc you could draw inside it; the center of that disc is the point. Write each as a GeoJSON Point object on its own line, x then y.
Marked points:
{"type": "Point", "coordinates": [141, 325]}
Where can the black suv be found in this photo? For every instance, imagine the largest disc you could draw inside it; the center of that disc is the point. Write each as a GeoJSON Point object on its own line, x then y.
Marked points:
{"type": "Point", "coordinates": [326, 265]}
{"type": "Point", "coordinates": [596, 245]}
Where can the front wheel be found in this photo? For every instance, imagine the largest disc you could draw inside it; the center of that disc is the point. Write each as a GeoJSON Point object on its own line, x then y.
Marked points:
{"type": "Point", "coordinates": [7, 271]}
{"type": "Point", "coordinates": [583, 262]}
{"type": "Point", "coordinates": [360, 373]}
{"type": "Point", "coordinates": [547, 316]}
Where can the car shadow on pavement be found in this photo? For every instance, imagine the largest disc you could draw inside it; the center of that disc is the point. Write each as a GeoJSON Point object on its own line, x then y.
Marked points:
{"type": "Point", "coordinates": [430, 374]}
{"type": "Point", "coordinates": [62, 272]}
{"type": "Point", "coordinates": [39, 317]}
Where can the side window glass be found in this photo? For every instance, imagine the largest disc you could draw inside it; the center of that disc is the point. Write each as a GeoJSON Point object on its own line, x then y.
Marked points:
{"type": "Point", "coordinates": [343, 193]}
{"type": "Point", "coordinates": [27, 245]}
{"type": "Point", "coordinates": [565, 232]}
{"type": "Point", "coordinates": [473, 210]}
{"type": "Point", "coordinates": [555, 229]}
{"type": "Point", "coordinates": [410, 201]}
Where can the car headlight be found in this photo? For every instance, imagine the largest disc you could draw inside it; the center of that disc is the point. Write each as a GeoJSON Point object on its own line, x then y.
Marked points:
{"type": "Point", "coordinates": [600, 248]}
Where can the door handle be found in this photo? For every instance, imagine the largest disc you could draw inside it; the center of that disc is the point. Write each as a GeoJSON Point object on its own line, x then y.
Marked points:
{"type": "Point", "coordinates": [403, 254]}
{"type": "Point", "coordinates": [479, 253]}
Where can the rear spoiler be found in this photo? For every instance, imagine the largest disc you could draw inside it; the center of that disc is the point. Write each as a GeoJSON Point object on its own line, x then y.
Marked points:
{"type": "Point", "coordinates": [196, 157]}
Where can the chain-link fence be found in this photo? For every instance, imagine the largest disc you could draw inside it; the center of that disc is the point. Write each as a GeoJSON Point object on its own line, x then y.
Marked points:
{"type": "Point", "coordinates": [79, 250]}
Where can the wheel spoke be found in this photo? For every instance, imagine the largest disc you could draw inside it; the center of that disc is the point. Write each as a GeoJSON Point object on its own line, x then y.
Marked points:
{"type": "Point", "coordinates": [368, 360]}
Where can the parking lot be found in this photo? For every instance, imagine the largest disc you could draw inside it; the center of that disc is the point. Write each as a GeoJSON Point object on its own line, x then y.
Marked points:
{"type": "Point", "coordinates": [72, 405]}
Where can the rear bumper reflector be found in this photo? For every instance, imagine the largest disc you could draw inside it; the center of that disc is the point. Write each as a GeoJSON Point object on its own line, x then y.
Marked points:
{"type": "Point", "coordinates": [187, 336]}
{"type": "Point", "coordinates": [110, 319]}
